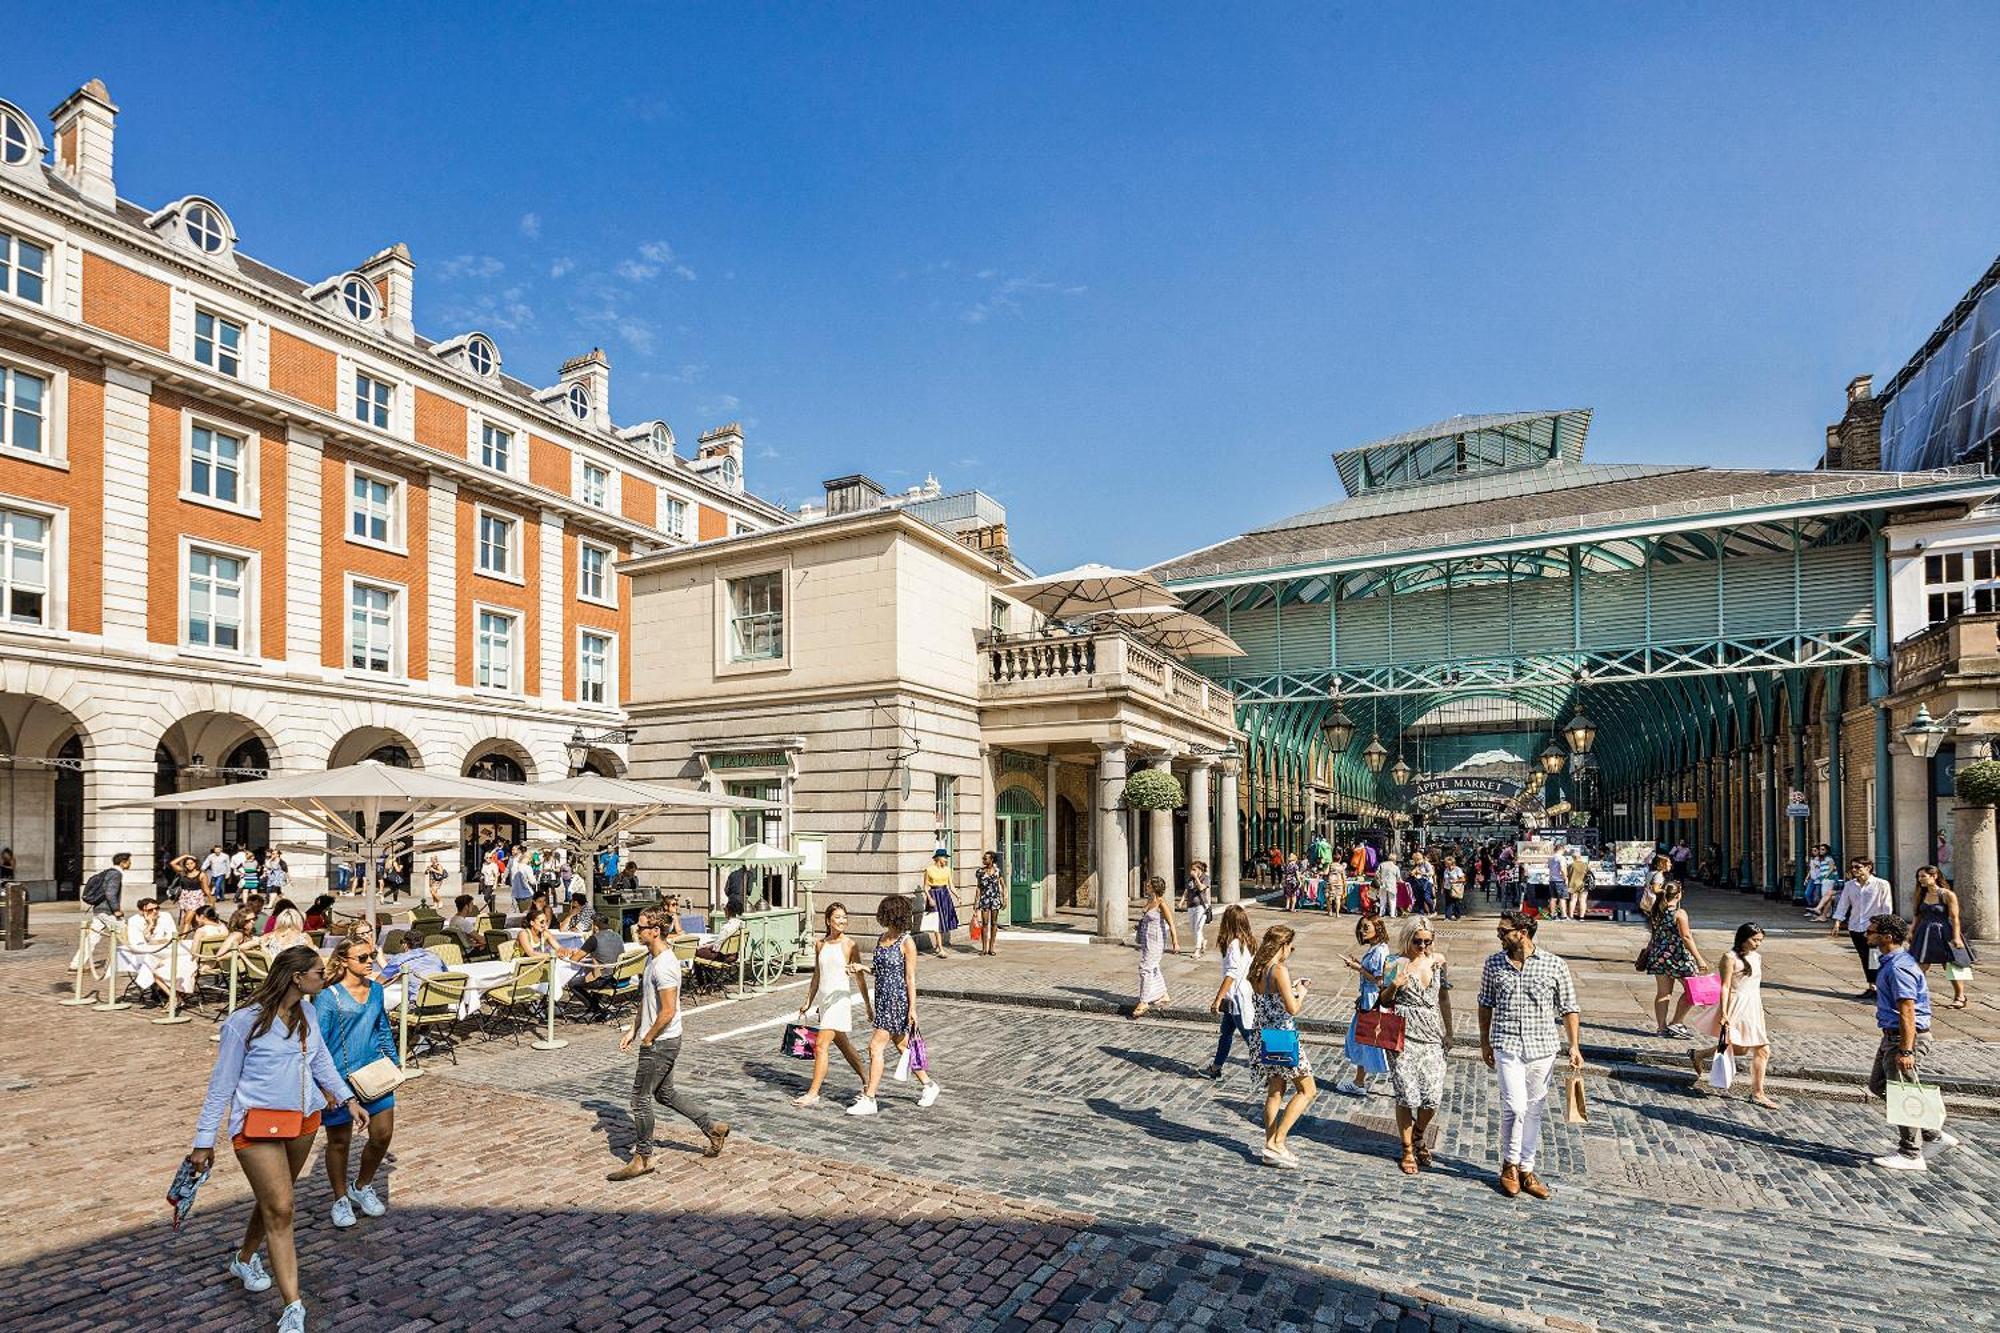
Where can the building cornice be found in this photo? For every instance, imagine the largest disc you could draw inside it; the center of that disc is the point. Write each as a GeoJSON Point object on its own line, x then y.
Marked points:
{"type": "Point", "coordinates": [749, 545]}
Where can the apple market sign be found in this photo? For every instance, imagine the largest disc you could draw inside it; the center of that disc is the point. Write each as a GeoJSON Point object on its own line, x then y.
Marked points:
{"type": "Point", "coordinates": [1456, 791]}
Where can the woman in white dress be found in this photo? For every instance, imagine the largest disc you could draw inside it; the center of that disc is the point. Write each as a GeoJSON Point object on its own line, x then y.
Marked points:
{"type": "Point", "coordinates": [1738, 1017]}
{"type": "Point", "coordinates": [837, 978]}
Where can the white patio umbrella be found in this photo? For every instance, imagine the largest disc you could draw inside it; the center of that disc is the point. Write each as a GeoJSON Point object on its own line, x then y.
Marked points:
{"type": "Point", "coordinates": [1089, 589]}
{"type": "Point", "coordinates": [1182, 633]}
{"type": "Point", "coordinates": [325, 800]}
{"type": "Point", "coordinates": [591, 813]}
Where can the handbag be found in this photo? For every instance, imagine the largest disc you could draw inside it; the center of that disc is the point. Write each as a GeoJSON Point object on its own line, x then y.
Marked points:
{"type": "Point", "coordinates": [376, 1079]}
{"type": "Point", "coordinates": [931, 924]}
{"type": "Point", "coordinates": [1961, 956]}
{"type": "Point", "coordinates": [919, 1054]}
{"type": "Point", "coordinates": [1380, 1028]}
{"type": "Point", "coordinates": [1914, 1105]}
{"type": "Point", "coordinates": [263, 1122]}
{"type": "Point", "coordinates": [1645, 953]}
{"type": "Point", "coordinates": [180, 1194]}
{"type": "Point", "coordinates": [798, 1041]}
{"type": "Point", "coordinates": [1703, 989]}
{"type": "Point", "coordinates": [1722, 1071]}
{"type": "Point", "coordinates": [1278, 1047]}
{"type": "Point", "coordinates": [1575, 1112]}
{"type": "Point", "coordinates": [902, 1071]}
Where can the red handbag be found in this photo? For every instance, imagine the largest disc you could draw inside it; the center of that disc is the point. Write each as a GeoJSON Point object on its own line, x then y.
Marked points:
{"type": "Point", "coordinates": [1380, 1028]}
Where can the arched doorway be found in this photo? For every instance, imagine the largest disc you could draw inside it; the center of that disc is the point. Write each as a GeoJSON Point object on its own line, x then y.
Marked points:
{"type": "Point", "coordinates": [248, 829]}
{"type": "Point", "coordinates": [1021, 850]}
{"type": "Point", "coordinates": [42, 755]}
{"type": "Point", "coordinates": [69, 818]}
{"type": "Point", "coordinates": [481, 832]}
{"type": "Point", "coordinates": [1069, 864]}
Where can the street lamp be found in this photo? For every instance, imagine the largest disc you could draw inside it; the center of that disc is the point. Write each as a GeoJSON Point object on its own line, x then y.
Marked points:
{"type": "Point", "coordinates": [578, 746]}
{"type": "Point", "coordinates": [1580, 732]}
{"type": "Point", "coordinates": [1401, 773]}
{"type": "Point", "coordinates": [1338, 729]}
{"type": "Point", "coordinates": [1552, 759]}
{"type": "Point", "coordinates": [1375, 755]}
{"type": "Point", "coordinates": [1924, 736]}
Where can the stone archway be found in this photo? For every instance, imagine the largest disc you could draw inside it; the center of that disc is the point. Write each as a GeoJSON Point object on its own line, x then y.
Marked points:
{"type": "Point", "coordinates": [43, 755]}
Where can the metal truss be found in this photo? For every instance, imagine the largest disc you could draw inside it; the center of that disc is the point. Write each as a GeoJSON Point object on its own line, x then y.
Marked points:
{"type": "Point", "coordinates": [1654, 661]}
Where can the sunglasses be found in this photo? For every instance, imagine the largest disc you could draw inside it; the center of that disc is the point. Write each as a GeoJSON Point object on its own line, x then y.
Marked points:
{"type": "Point", "coordinates": [1424, 940]}
{"type": "Point", "coordinates": [360, 957]}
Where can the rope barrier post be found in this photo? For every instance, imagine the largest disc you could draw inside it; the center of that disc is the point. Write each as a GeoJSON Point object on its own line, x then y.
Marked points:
{"type": "Point", "coordinates": [551, 1042]}
{"type": "Point", "coordinates": [111, 1001]}
{"type": "Point", "coordinates": [85, 960]}
{"type": "Point", "coordinates": [410, 1071]}
{"type": "Point", "coordinates": [235, 961]}
{"type": "Point", "coordinates": [173, 1014]}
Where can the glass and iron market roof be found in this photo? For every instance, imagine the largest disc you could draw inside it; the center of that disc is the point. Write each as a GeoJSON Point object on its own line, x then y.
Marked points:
{"type": "Point", "coordinates": [1465, 446]}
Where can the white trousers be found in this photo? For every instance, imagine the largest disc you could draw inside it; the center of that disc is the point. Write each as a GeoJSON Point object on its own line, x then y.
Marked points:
{"type": "Point", "coordinates": [1197, 918]}
{"type": "Point", "coordinates": [98, 927]}
{"type": "Point", "coordinates": [1524, 1096]}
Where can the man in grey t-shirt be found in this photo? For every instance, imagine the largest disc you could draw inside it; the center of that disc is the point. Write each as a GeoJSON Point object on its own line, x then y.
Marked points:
{"type": "Point", "coordinates": [656, 1027]}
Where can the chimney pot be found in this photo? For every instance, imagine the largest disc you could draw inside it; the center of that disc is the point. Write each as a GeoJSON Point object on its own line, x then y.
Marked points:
{"type": "Point", "coordinates": [85, 124]}
{"type": "Point", "coordinates": [1860, 387]}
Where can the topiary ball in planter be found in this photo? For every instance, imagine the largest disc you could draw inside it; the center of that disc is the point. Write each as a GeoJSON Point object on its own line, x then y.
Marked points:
{"type": "Point", "coordinates": [1978, 783]}
{"type": "Point", "coordinates": [1153, 789]}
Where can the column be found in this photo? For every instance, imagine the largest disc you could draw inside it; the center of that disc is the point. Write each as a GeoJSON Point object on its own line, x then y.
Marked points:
{"type": "Point", "coordinates": [1772, 811]}
{"type": "Point", "coordinates": [117, 767]}
{"type": "Point", "coordinates": [1799, 826]}
{"type": "Point", "coordinates": [1198, 842]}
{"type": "Point", "coordinates": [1973, 853]}
{"type": "Point", "coordinates": [989, 806]}
{"type": "Point", "coordinates": [1836, 778]}
{"type": "Point", "coordinates": [441, 604]}
{"type": "Point", "coordinates": [554, 646]}
{"type": "Point", "coordinates": [1229, 837]}
{"type": "Point", "coordinates": [127, 434]}
{"type": "Point", "coordinates": [1047, 904]}
{"type": "Point", "coordinates": [1911, 803]}
{"type": "Point", "coordinates": [304, 572]}
{"type": "Point", "coordinates": [1113, 905]}
{"type": "Point", "coordinates": [1160, 842]}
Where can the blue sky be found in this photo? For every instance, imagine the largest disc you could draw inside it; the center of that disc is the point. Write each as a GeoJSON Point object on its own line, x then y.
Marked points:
{"type": "Point", "coordinates": [1136, 270]}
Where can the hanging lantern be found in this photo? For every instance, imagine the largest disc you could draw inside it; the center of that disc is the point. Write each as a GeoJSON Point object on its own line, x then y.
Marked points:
{"type": "Point", "coordinates": [1924, 736]}
{"type": "Point", "coordinates": [1552, 759]}
{"type": "Point", "coordinates": [1338, 729]}
{"type": "Point", "coordinates": [1375, 755]}
{"type": "Point", "coordinates": [1580, 732]}
{"type": "Point", "coordinates": [1401, 773]}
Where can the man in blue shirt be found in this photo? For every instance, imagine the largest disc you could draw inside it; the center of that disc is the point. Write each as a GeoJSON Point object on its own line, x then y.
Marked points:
{"type": "Point", "coordinates": [1903, 1013]}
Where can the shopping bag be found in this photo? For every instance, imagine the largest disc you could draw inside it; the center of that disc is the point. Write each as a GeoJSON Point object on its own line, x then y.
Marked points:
{"type": "Point", "coordinates": [919, 1056]}
{"type": "Point", "coordinates": [1380, 1028]}
{"type": "Point", "coordinates": [1722, 1071]}
{"type": "Point", "coordinates": [902, 1074]}
{"type": "Point", "coordinates": [1915, 1106]}
{"type": "Point", "coordinates": [798, 1041]}
{"type": "Point", "coordinates": [977, 933]}
{"type": "Point", "coordinates": [1575, 1112]}
{"type": "Point", "coordinates": [1961, 957]}
{"type": "Point", "coordinates": [930, 924]}
{"type": "Point", "coordinates": [1957, 972]}
{"type": "Point", "coordinates": [1704, 989]}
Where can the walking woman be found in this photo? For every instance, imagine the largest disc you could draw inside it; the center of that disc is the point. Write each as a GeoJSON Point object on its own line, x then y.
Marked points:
{"type": "Point", "coordinates": [1936, 936]}
{"type": "Point", "coordinates": [188, 891]}
{"type": "Point", "coordinates": [1277, 1002]}
{"type": "Point", "coordinates": [938, 899]}
{"type": "Point", "coordinates": [1156, 931]}
{"type": "Point", "coordinates": [1195, 900]}
{"type": "Point", "coordinates": [895, 1002]}
{"type": "Point", "coordinates": [354, 1023]}
{"type": "Point", "coordinates": [988, 907]}
{"type": "Point", "coordinates": [273, 1074]}
{"type": "Point", "coordinates": [1372, 934]}
{"type": "Point", "coordinates": [1738, 1017]}
{"type": "Point", "coordinates": [1232, 1001]}
{"type": "Point", "coordinates": [836, 969]}
{"type": "Point", "coordinates": [1419, 990]}
{"type": "Point", "coordinates": [1336, 887]}
{"type": "Point", "coordinates": [1671, 955]}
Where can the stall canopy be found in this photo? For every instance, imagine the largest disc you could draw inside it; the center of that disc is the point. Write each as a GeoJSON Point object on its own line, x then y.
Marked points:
{"type": "Point", "coordinates": [334, 801]}
{"type": "Point", "coordinates": [1181, 633]}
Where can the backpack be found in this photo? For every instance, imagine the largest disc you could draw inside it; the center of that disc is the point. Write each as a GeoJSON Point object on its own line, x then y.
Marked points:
{"type": "Point", "coordinates": [93, 889]}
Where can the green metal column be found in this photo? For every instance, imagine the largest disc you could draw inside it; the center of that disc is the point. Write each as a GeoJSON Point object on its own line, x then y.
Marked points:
{"type": "Point", "coordinates": [1771, 812]}
{"type": "Point", "coordinates": [1836, 801]}
{"type": "Point", "coordinates": [1878, 685]}
{"type": "Point", "coordinates": [1799, 778]}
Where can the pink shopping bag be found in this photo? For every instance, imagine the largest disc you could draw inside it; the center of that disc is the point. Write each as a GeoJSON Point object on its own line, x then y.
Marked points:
{"type": "Point", "coordinates": [1704, 989]}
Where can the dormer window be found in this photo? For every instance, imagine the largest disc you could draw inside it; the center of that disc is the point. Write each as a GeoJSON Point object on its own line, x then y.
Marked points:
{"type": "Point", "coordinates": [732, 474]}
{"type": "Point", "coordinates": [19, 144]}
{"type": "Point", "coordinates": [578, 399]}
{"type": "Point", "coordinates": [663, 439]}
{"type": "Point", "coordinates": [204, 229]}
{"type": "Point", "coordinates": [480, 357]}
{"type": "Point", "coordinates": [357, 297]}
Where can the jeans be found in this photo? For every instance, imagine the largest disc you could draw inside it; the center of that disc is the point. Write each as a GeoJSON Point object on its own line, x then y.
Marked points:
{"type": "Point", "coordinates": [1454, 908]}
{"type": "Point", "coordinates": [1909, 1141]}
{"type": "Point", "coordinates": [655, 1083]}
{"type": "Point", "coordinates": [1232, 1027]}
{"type": "Point", "coordinates": [1862, 948]}
{"type": "Point", "coordinates": [1524, 1096]}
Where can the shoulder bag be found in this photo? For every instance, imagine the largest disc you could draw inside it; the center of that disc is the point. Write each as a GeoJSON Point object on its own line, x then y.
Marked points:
{"type": "Point", "coordinates": [374, 1080]}
{"type": "Point", "coordinates": [1380, 1028]}
{"type": "Point", "coordinates": [261, 1122]}
{"type": "Point", "coordinates": [1279, 1047]}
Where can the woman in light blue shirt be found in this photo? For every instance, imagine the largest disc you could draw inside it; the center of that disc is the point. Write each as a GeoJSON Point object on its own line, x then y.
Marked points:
{"type": "Point", "coordinates": [272, 1062]}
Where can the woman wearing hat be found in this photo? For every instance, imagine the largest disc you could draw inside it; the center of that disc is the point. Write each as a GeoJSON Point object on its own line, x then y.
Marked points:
{"type": "Point", "coordinates": [937, 896]}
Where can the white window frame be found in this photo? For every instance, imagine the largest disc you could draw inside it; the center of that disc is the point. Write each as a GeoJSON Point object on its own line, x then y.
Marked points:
{"type": "Point", "coordinates": [397, 540]}
{"type": "Point", "coordinates": [575, 396]}
{"type": "Point", "coordinates": [675, 521]}
{"type": "Point", "coordinates": [585, 633]}
{"type": "Point", "coordinates": [247, 473]}
{"type": "Point", "coordinates": [55, 563]}
{"type": "Point", "coordinates": [477, 346]}
{"type": "Point", "coordinates": [11, 240]}
{"type": "Point", "coordinates": [214, 363]}
{"type": "Point", "coordinates": [600, 495]}
{"type": "Point", "coordinates": [516, 572]}
{"type": "Point", "coordinates": [944, 809]}
{"type": "Point", "coordinates": [374, 299]}
{"type": "Point", "coordinates": [516, 682]}
{"type": "Point", "coordinates": [398, 628]}
{"type": "Point", "coordinates": [54, 450]}
{"type": "Point", "coordinates": [247, 632]}
{"type": "Point", "coordinates": [514, 438]}
{"type": "Point", "coordinates": [218, 227]}
{"type": "Point", "coordinates": [382, 402]}
{"type": "Point", "coordinates": [608, 597]}
{"type": "Point", "coordinates": [729, 660]}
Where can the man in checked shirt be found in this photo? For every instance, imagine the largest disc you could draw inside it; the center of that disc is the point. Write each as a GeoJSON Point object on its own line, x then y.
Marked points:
{"type": "Point", "coordinates": [1523, 993]}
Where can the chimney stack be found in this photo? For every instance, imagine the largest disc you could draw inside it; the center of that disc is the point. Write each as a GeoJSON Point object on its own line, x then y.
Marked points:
{"type": "Point", "coordinates": [1854, 443]}
{"type": "Point", "coordinates": [84, 125]}
{"type": "Point", "coordinates": [1860, 387]}
{"type": "Point", "coordinates": [593, 371]}
{"type": "Point", "coordinates": [394, 274]}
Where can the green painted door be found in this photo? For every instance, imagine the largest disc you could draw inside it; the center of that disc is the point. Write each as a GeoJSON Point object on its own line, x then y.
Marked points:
{"type": "Point", "coordinates": [1021, 843]}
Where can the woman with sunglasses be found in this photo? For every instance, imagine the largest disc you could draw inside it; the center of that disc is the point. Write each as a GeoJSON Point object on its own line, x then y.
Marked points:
{"type": "Point", "coordinates": [272, 1078]}
{"type": "Point", "coordinates": [354, 1023]}
{"type": "Point", "coordinates": [1419, 990]}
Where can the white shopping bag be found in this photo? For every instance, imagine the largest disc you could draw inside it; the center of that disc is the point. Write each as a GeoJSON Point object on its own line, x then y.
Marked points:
{"type": "Point", "coordinates": [1722, 1071]}
{"type": "Point", "coordinates": [1915, 1105]}
{"type": "Point", "coordinates": [902, 1074]}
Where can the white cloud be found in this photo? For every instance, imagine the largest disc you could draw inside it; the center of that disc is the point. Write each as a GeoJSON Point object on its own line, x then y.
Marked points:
{"type": "Point", "coordinates": [561, 266]}
{"type": "Point", "coordinates": [1007, 294]}
{"type": "Point", "coordinates": [504, 312]}
{"type": "Point", "coordinates": [531, 226]}
{"type": "Point", "coordinates": [655, 257]}
{"type": "Point", "coordinates": [470, 266]}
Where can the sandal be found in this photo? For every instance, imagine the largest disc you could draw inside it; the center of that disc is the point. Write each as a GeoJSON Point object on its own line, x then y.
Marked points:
{"type": "Point", "coordinates": [1765, 1102]}
{"type": "Point", "coordinates": [1409, 1163]}
{"type": "Point", "coordinates": [1424, 1158]}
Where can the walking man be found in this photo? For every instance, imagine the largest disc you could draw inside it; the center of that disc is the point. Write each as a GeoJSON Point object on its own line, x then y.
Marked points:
{"type": "Point", "coordinates": [520, 879]}
{"type": "Point", "coordinates": [1903, 1012]}
{"type": "Point", "coordinates": [1864, 897]}
{"type": "Point", "coordinates": [1523, 993]}
{"type": "Point", "coordinates": [1388, 882]}
{"type": "Point", "coordinates": [100, 898]}
{"type": "Point", "coordinates": [657, 1028]}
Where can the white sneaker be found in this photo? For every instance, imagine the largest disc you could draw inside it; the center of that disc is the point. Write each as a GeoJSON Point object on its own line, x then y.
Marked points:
{"type": "Point", "coordinates": [1895, 1161]}
{"type": "Point", "coordinates": [293, 1320]}
{"type": "Point", "coordinates": [367, 1200]}
{"type": "Point", "coordinates": [930, 1092]}
{"type": "Point", "coordinates": [1350, 1088]}
{"type": "Point", "coordinates": [250, 1272]}
{"type": "Point", "coordinates": [343, 1212]}
{"type": "Point", "coordinates": [1945, 1139]}
{"type": "Point", "coordinates": [862, 1106]}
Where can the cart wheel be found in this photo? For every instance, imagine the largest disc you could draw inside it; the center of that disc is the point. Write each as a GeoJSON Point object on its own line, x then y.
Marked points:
{"type": "Point", "coordinates": [766, 965]}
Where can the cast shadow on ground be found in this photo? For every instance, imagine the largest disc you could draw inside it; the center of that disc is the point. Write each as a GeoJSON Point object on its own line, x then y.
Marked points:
{"type": "Point", "coordinates": [1685, 1116]}
{"type": "Point", "coordinates": [744, 1272]}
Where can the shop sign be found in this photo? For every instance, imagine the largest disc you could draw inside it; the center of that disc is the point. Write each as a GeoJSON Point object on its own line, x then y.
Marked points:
{"type": "Point", "coordinates": [1687, 810]}
{"type": "Point", "coordinates": [748, 759]}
